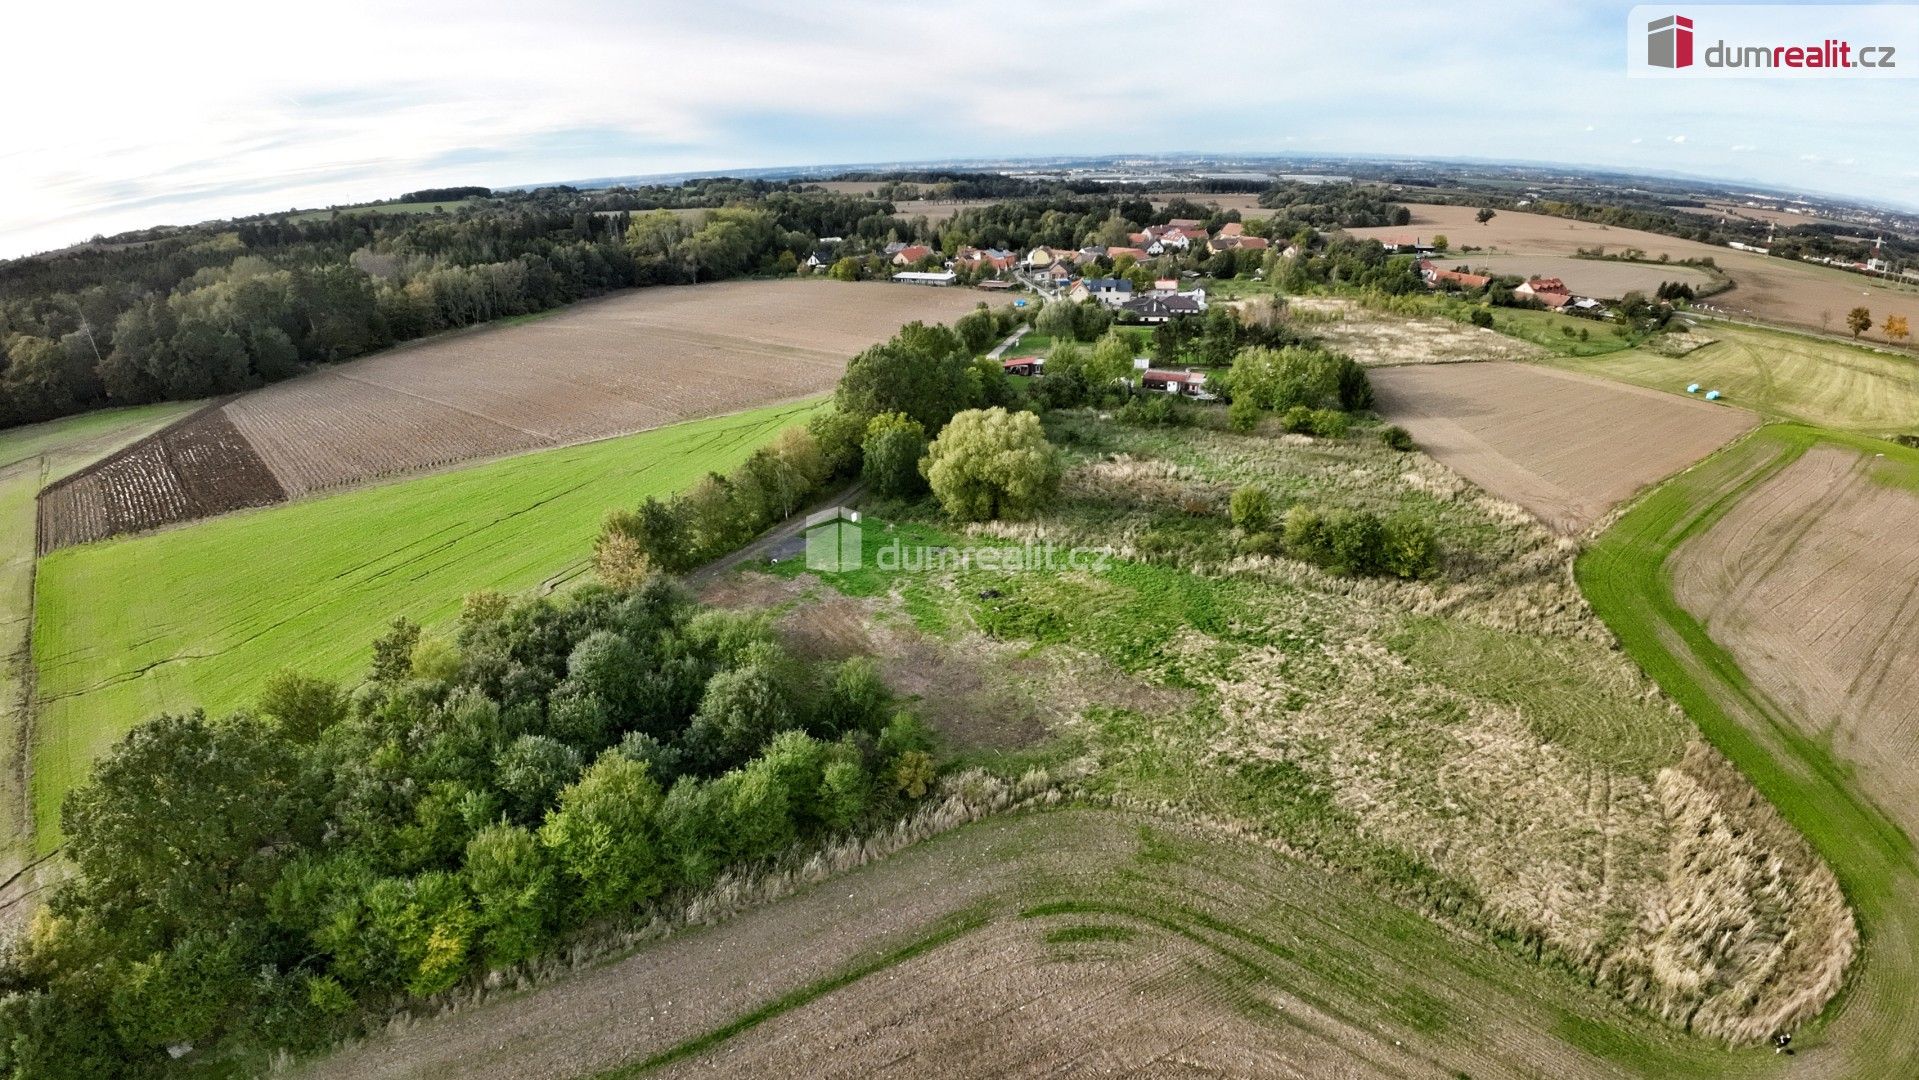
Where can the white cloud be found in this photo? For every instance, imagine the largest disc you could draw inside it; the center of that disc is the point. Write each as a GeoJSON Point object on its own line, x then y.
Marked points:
{"type": "Point", "coordinates": [231, 107]}
{"type": "Point", "coordinates": [1675, 138]}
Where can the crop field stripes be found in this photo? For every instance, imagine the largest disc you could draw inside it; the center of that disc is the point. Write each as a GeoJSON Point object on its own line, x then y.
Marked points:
{"type": "Point", "coordinates": [195, 468]}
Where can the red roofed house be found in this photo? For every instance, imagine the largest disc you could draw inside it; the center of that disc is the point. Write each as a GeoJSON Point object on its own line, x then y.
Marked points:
{"type": "Point", "coordinates": [1023, 365]}
{"type": "Point", "coordinates": [1188, 383]}
{"type": "Point", "coordinates": [911, 254]}
{"type": "Point", "coordinates": [1138, 255]}
{"type": "Point", "coordinates": [1551, 292]}
{"type": "Point", "coordinates": [1435, 276]}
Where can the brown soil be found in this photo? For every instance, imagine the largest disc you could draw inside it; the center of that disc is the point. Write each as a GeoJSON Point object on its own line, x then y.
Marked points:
{"type": "Point", "coordinates": [1566, 449]}
{"type": "Point", "coordinates": [1155, 992]}
{"type": "Point", "coordinates": [1808, 582]}
{"type": "Point", "coordinates": [196, 468]}
{"type": "Point", "coordinates": [608, 367]}
{"type": "Point", "coordinates": [1776, 290]}
{"type": "Point", "coordinates": [1377, 338]}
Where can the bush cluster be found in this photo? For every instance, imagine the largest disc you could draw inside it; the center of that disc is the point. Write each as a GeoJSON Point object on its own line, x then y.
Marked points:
{"type": "Point", "coordinates": [1359, 543]}
{"type": "Point", "coordinates": [274, 878]}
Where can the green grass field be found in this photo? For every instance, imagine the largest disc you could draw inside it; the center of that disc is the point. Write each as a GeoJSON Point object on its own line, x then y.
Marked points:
{"type": "Point", "coordinates": [29, 458]}
{"type": "Point", "coordinates": [1781, 375]}
{"type": "Point", "coordinates": [1873, 1028]}
{"type": "Point", "coordinates": [198, 615]}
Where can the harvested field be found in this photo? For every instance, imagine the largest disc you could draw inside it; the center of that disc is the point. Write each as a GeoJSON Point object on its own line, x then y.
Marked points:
{"type": "Point", "coordinates": [1378, 338]}
{"type": "Point", "coordinates": [1070, 942]}
{"type": "Point", "coordinates": [608, 367]}
{"type": "Point", "coordinates": [1795, 376]}
{"type": "Point", "coordinates": [197, 468]}
{"type": "Point", "coordinates": [1775, 290]}
{"type": "Point", "coordinates": [1604, 278]}
{"type": "Point", "coordinates": [1809, 582]}
{"type": "Point", "coordinates": [1568, 448]}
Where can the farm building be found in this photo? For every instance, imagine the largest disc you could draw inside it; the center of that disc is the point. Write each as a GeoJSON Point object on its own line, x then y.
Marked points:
{"type": "Point", "coordinates": [1024, 365]}
{"type": "Point", "coordinates": [1185, 383]}
{"type": "Point", "coordinates": [1436, 277]}
{"type": "Point", "coordinates": [926, 277]}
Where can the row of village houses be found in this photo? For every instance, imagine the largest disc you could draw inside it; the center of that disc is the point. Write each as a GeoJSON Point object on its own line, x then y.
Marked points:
{"type": "Point", "coordinates": [1060, 264]}
{"type": "Point", "coordinates": [1549, 292]}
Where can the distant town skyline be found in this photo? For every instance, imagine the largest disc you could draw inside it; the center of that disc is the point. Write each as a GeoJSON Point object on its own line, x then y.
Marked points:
{"type": "Point", "coordinates": [231, 109]}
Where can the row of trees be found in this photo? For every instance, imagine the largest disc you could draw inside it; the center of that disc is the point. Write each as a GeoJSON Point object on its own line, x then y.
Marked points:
{"type": "Point", "coordinates": [221, 308]}
{"type": "Point", "coordinates": [275, 877]}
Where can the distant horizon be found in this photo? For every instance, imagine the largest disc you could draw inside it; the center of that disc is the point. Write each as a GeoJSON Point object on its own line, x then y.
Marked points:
{"type": "Point", "coordinates": [236, 110]}
{"type": "Point", "coordinates": [1000, 165]}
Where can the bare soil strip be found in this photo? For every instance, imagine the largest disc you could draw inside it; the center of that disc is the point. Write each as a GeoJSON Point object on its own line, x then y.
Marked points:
{"type": "Point", "coordinates": [196, 468]}
{"type": "Point", "coordinates": [1566, 448]}
{"type": "Point", "coordinates": [1810, 583]}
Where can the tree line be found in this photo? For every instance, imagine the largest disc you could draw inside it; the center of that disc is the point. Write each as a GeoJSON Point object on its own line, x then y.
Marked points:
{"type": "Point", "coordinates": [280, 877]}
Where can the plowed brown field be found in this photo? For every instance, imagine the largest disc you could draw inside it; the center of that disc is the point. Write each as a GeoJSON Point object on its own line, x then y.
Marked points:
{"type": "Point", "coordinates": [1809, 581]}
{"type": "Point", "coordinates": [629, 362]}
{"type": "Point", "coordinates": [1567, 448]}
{"type": "Point", "coordinates": [196, 468]}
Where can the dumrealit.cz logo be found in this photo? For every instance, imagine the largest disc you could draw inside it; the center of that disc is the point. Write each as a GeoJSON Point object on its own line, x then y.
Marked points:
{"type": "Point", "coordinates": [1789, 41]}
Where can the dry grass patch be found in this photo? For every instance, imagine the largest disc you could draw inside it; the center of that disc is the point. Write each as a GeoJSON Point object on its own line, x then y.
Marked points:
{"type": "Point", "coordinates": [1378, 338]}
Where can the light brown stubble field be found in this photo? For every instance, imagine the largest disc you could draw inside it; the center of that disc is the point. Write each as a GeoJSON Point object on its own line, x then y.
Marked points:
{"type": "Point", "coordinates": [1809, 582]}
{"type": "Point", "coordinates": [1566, 447]}
{"type": "Point", "coordinates": [1776, 290]}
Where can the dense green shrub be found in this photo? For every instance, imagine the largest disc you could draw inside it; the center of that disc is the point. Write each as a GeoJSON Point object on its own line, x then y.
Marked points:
{"type": "Point", "coordinates": [1252, 508]}
{"type": "Point", "coordinates": [1397, 438]}
{"type": "Point", "coordinates": [1358, 543]}
{"type": "Point", "coordinates": [323, 860]}
{"type": "Point", "coordinates": [1154, 410]}
{"type": "Point", "coordinates": [991, 464]}
{"type": "Point", "coordinates": [891, 453]}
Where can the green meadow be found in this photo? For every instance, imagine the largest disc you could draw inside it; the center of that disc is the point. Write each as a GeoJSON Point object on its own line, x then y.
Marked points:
{"type": "Point", "coordinates": [197, 616]}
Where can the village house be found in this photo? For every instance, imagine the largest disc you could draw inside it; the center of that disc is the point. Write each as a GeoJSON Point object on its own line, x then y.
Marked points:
{"type": "Point", "coordinates": [1024, 365]}
{"type": "Point", "coordinates": [1113, 292]}
{"type": "Point", "coordinates": [1435, 277]}
{"type": "Point", "coordinates": [821, 259]}
{"type": "Point", "coordinates": [1159, 308]}
{"type": "Point", "coordinates": [1041, 257]}
{"type": "Point", "coordinates": [911, 254]}
{"type": "Point", "coordinates": [1184, 383]}
{"type": "Point", "coordinates": [1138, 255]}
{"type": "Point", "coordinates": [984, 260]}
{"type": "Point", "coordinates": [1551, 292]}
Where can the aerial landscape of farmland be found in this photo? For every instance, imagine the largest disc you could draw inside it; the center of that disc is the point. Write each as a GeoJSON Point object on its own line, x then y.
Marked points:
{"type": "Point", "coordinates": [600, 544]}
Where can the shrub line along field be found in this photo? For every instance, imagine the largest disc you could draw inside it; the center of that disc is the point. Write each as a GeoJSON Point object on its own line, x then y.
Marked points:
{"type": "Point", "coordinates": [1872, 1031]}
{"type": "Point", "coordinates": [605, 367]}
{"type": "Point", "coordinates": [198, 616]}
{"type": "Point", "coordinates": [1567, 448]}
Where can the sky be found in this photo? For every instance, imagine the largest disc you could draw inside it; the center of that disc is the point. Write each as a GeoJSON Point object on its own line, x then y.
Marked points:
{"type": "Point", "coordinates": [117, 115]}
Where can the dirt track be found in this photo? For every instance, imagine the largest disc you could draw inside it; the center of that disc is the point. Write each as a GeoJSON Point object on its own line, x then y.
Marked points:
{"type": "Point", "coordinates": [1566, 447]}
{"type": "Point", "coordinates": [1809, 582]}
{"type": "Point", "coordinates": [1094, 949]}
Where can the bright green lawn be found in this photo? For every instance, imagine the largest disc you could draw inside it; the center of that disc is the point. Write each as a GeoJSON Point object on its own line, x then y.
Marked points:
{"type": "Point", "coordinates": [198, 615]}
{"type": "Point", "coordinates": [29, 458]}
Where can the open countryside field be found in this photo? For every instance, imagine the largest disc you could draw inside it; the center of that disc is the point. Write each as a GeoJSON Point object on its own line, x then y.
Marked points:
{"type": "Point", "coordinates": [1776, 290]}
{"type": "Point", "coordinates": [29, 457]}
{"type": "Point", "coordinates": [1809, 582]}
{"type": "Point", "coordinates": [1378, 338]}
{"type": "Point", "coordinates": [197, 617]}
{"type": "Point", "coordinates": [1073, 941]}
{"type": "Point", "coordinates": [1586, 277]}
{"type": "Point", "coordinates": [620, 364]}
{"type": "Point", "coordinates": [1785, 375]}
{"type": "Point", "coordinates": [1566, 448]}
{"type": "Point", "coordinates": [1628, 574]}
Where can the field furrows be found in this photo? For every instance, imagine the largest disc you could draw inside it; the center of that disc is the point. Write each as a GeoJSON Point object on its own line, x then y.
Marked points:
{"type": "Point", "coordinates": [1809, 583]}
{"type": "Point", "coordinates": [625, 363]}
{"type": "Point", "coordinates": [1566, 449]}
{"type": "Point", "coordinates": [198, 467]}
